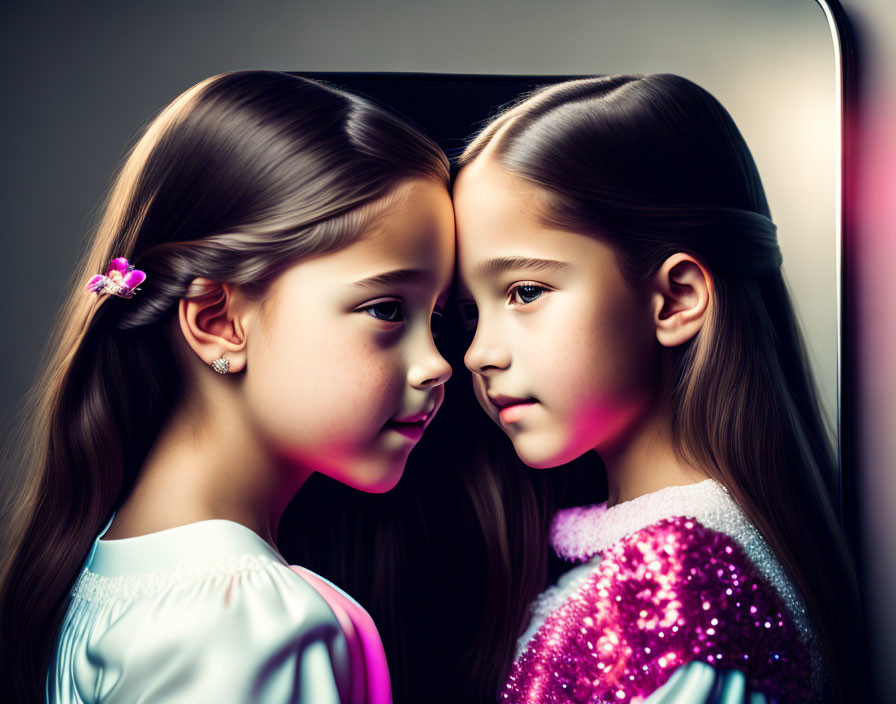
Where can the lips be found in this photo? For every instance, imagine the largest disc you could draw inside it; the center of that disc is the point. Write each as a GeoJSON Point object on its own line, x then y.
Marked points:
{"type": "Point", "coordinates": [511, 408]}
{"type": "Point", "coordinates": [415, 418]}
{"type": "Point", "coordinates": [411, 426]}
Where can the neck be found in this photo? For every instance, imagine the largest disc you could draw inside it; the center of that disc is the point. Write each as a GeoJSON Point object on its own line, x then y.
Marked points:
{"type": "Point", "coordinates": [209, 465]}
{"type": "Point", "coordinates": [645, 460]}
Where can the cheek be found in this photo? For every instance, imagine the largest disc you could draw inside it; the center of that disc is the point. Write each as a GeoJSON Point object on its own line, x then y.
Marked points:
{"type": "Point", "coordinates": [596, 363]}
{"type": "Point", "coordinates": [322, 385]}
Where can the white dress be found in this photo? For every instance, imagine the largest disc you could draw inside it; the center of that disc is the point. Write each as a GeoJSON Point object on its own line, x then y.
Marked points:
{"type": "Point", "coordinates": [204, 612]}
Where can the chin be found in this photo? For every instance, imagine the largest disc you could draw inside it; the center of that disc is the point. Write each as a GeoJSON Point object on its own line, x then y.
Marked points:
{"type": "Point", "coordinates": [374, 480]}
{"type": "Point", "coordinates": [542, 454]}
{"type": "Point", "coordinates": [386, 483]}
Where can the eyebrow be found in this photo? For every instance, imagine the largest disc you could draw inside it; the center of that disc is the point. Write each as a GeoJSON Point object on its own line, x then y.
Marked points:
{"type": "Point", "coordinates": [496, 266]}
{"type": "Point", "coordinates": [398, 276]}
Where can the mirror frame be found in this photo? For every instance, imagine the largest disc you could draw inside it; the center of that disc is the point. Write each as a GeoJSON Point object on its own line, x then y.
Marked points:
{"type": "Point", "coordinates": [846, 77]}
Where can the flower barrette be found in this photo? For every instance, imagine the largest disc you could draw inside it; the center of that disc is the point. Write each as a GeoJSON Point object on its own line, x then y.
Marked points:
{"type": "Point", "coordinates": [121, 279]}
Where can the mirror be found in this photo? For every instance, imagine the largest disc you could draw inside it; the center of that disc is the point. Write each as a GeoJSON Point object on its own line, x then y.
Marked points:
{"type": "Point", "coordinates": [772, 65]}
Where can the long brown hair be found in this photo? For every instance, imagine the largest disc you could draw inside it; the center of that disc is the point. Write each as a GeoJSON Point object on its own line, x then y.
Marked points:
{"type": "Point", "coordinates": [238, 178]}
{"type": "Point", "coordinates": [655, 165]}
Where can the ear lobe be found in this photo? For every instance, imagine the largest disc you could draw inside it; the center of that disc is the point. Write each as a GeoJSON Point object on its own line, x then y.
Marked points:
{"type": "Point", "coordinates": [212, 324]}
{"type": "Point", "coordinates": [681, 299]}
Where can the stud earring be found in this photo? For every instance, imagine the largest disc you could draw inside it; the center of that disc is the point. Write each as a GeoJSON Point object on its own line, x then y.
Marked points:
{"type": "Point", "coordinates": [221, 365]}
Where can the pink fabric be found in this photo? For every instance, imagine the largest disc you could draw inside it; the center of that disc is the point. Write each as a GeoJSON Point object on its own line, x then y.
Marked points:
{"type": "Point", "coordinates": [370, 670]}
{"type": "Point", "coordinates": [668, 594]}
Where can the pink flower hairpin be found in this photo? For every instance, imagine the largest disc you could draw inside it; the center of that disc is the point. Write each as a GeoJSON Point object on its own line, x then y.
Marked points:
{"type": "Point", "coordinates": [121, 279]}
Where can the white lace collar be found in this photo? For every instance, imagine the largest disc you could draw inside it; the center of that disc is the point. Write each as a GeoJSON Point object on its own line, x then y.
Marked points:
{"type": "Point", "coordinates": [147, 565]}
{"type": "Point", "coordinates": [581, 532]}
{"type": "Point", "coordinates": [210, 540]}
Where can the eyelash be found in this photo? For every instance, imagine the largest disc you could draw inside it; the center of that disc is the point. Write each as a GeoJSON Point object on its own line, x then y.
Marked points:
{"type": "Point", "coordinates": [511, 294]}
{"type": "Point", "coordinates": [435, 318]}
{"type": "Point", "coordinates": [373, 306]}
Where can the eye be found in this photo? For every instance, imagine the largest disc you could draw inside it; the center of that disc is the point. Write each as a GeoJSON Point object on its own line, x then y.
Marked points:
{"type": "Point", "coordinates": [389, 311]}
{"type": "Point", "coordinates": [436, 322]}
{"type": "Point", "coordinates": [469, 314]}
{"type": "Point", "coordinates": [526, 293]}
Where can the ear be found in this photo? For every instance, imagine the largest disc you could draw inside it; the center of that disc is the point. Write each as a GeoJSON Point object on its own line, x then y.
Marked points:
{"type": "Point", "coordinates": [682, 292]}
{"type": "Point", "coordinates": [214, 323]}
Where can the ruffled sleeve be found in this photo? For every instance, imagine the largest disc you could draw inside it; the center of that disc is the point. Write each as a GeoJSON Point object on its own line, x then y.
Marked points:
{"type": "Point", "coordinates": [260, 633]}
{"type": "Point", "coordinates": [663, 596]}
{"type": "Point", "coordinates": [368, 666]}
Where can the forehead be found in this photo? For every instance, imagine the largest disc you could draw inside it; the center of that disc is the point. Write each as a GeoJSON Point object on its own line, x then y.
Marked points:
{"type": "Point", "coordinates": [483, 187]}
{"type": "Point", "coordinates": [416, 220]}
{"type": "Point", "coordinates": [496, 210]}
{"type": "Point", "coordinates": [500, 229]}
{"type": "Point", "coordinates": [413, 229]}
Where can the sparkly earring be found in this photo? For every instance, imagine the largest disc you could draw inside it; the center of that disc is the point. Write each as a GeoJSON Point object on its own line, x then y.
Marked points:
{"type": "Point", "coordinates": [221, 365]}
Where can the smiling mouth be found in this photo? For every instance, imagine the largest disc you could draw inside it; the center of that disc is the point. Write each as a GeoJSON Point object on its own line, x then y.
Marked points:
{"type": "Point", "coordinates": [411, 426]}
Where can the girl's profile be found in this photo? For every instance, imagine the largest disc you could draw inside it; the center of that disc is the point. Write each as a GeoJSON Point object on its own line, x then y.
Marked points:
{"type": "Point", "coordinates": [256, 305]}
{"type": "Point", "coordinates": [621, 270]}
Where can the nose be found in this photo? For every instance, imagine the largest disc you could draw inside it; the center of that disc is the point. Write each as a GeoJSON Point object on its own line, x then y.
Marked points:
{"type": "Point", "coordinates": [485, 355]}
{"type": "Point", "coordinates": [429, 370]}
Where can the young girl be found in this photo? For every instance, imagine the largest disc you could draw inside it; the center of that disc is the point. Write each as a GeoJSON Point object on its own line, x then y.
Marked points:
{"type": "Point", "coordinates": [278, 250]}
{"type": "Point", "coordinates": [614, 236]}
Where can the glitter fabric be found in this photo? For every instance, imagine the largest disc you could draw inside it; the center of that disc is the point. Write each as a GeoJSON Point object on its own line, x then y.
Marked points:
{"type": "Point", "coordinates": [584, 531]}
{"type": "Point", "coordinates": [663, 595]}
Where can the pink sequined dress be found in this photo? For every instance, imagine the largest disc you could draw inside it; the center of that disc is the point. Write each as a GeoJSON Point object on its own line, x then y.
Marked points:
{"type": "Point", "coordinates": [671, 577]}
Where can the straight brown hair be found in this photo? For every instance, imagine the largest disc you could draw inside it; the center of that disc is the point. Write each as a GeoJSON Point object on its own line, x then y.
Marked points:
{"type": "Point", "coordinates": [240, 177]}
{"type": "Point", "coordinates": [655, 165]}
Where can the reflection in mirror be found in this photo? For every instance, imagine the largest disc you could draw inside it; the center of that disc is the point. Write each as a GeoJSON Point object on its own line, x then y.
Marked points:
{"type": "Point", "coordinates": [772, 68]}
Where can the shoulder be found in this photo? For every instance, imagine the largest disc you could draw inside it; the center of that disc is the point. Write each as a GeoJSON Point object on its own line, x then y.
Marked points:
{"type": "Point", "coordinates": [247, 629]}
{"type": "Point", "coordinates": [666, 594]}
{"type": "Point", "coordinates": [696, 515]}
{"type": "Point", "coordinates": [230, 585]}
{"type": "Point", "coordinates": [682, 591]}
{"type": "Point", "coordinates": [273, 606]}
{"type": "Point", "coordinates": [289, 643]}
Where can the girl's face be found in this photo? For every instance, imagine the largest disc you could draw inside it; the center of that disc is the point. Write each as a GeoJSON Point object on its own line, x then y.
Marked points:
{"type": "Point", "coordinates": [565, 355]}
{"type": "Point", "coordinates": [346, 375]}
